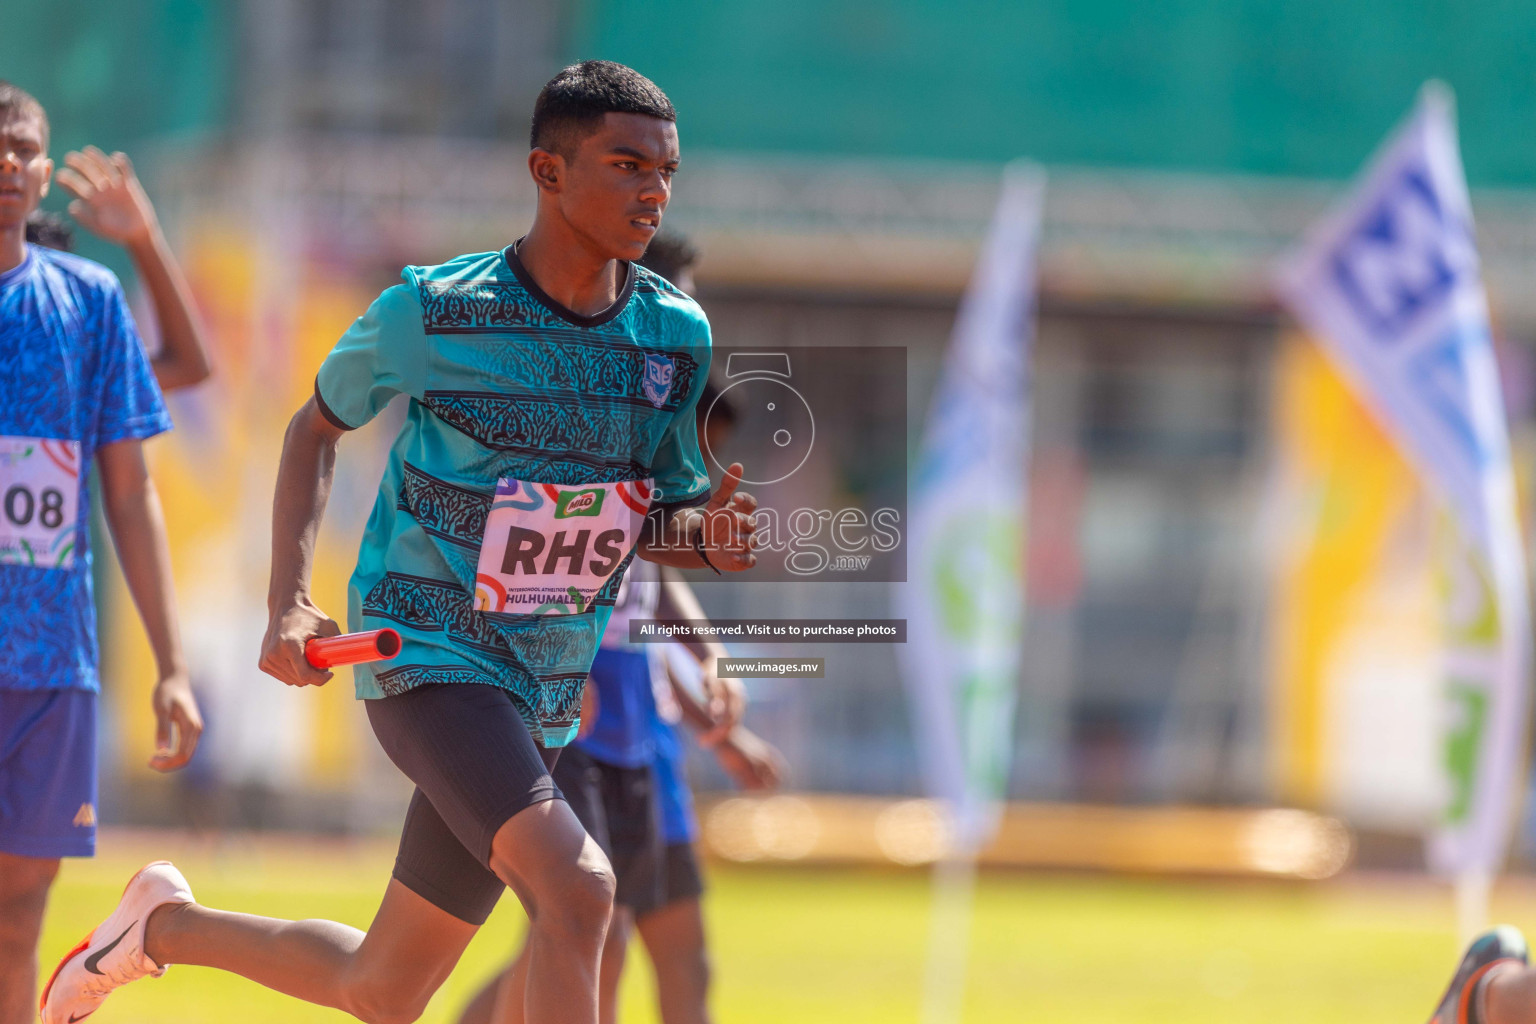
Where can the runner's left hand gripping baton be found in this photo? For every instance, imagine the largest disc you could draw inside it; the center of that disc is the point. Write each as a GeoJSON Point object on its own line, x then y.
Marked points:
{"type": "Point", "coordinates": [352, 648]}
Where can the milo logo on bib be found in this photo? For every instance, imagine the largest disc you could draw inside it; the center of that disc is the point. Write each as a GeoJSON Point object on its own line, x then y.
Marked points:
{"type": "Point", "coordinates": [579, 503]}
{"type": "Point", "coordinates": [548, 550]}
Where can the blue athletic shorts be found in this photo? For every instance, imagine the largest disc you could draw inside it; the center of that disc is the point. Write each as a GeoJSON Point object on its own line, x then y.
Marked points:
{"type": "Point", "coordinates": [48, 773]}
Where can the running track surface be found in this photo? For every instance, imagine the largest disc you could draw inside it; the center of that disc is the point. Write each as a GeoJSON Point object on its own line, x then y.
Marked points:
{"type": "Point", "coordinates": [849, 946]}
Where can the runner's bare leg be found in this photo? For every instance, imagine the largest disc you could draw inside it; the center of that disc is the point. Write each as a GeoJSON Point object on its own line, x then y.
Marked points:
{"type": "Point", "coordinates": [611, 970]}
{"type": "Point", "coordinates": [507, 995]}
{"type": "Point", "coordinates": [503, 998]}
{"type": "Point", "coordinates": [24, 883]}
{"type": "Point", "coordinates": [387, 974]}
{"type": "Point", "coordinates": [566, 887]}
{"type": "Point", "coordinates": [674, 938]}
{"type": "Point", "coordinates": [382, 976]}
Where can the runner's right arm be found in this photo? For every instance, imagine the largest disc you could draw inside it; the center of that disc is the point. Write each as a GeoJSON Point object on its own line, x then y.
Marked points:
{"type": "Point", "coordinates": [304, 479]}
{"type": "Point", "coordinates": [383, 354]}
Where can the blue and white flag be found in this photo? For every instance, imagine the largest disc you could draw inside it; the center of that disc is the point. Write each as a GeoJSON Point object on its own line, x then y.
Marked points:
{"type": "Point", "coordinates": [1389, 284]}
{"type": "Point", "coordinates": [965, 590]}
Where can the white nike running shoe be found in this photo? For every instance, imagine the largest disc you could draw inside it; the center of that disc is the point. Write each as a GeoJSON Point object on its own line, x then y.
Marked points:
{"type": "Point", "coordinates": [113, 954]}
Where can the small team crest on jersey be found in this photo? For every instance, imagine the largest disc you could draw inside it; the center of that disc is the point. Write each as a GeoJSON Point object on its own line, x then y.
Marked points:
{"type": "Point", "coordinates": [657, 384]}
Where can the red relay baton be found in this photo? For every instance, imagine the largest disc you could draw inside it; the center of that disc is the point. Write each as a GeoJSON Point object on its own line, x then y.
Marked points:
{"type": "Point", "coordinates": [352, 648]}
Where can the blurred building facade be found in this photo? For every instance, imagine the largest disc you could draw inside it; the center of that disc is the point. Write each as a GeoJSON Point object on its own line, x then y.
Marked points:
{"type": "Point", "coordinates": [841, 162]}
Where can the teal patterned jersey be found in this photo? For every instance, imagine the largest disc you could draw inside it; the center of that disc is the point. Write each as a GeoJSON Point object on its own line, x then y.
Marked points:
{"type": "Point", "coordinates": [506, 383]}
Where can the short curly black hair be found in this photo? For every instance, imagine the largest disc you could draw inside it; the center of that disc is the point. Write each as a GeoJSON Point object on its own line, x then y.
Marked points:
{"type": "Point", "coordinates": [51, 230]}
{"type": "Point", "coordinates": [17, 102]}
{"type": "Point", "coordinates": [575, 100]}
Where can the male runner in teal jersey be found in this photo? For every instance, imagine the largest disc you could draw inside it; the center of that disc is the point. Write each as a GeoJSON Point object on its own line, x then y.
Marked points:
{"type": "Point", "coordinates": [625, 777]}
{"type": "Point", "coordinates": [552, 389]}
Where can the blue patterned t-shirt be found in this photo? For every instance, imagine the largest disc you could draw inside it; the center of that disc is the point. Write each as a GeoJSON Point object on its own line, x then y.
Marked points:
{"type": "Point", "coordinates": [74, 378]}
{"type": "Point", "coordinates": [505, 383]}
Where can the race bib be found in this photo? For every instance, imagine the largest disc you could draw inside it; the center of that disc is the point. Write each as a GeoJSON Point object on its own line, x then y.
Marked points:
{"type": "Point", "coordinates": [550, 548]}
{"type": "Point", "coordinates": [39, 492]}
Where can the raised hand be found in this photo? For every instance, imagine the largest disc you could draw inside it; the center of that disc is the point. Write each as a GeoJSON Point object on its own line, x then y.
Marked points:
{"type": "Point", "coordinates": [109, 201]}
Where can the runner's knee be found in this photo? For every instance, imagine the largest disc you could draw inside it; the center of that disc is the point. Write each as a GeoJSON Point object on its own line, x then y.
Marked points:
{"type": "Point", "coordinates": [582, 899]}
{"type": "Point", "coordinates": [19, 934]}
{"type": "Point", "coordinates": [371, 1007]}
{"type": "Point", "coordinates": [572, 891]}
{"type": "Point", "coordinates": [377, 997]}
{"type": "Point", "coordinates": [387, 1013]}
{"type": "Point", "coordinates": [592, 889]}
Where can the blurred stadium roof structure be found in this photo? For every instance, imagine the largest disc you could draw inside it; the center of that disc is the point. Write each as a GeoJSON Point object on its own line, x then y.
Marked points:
{"type": "Point", "coordinates": [1300, 89]}
{"type": "Point", "coordinates": [1187, 141]}
{"type": "Point", "coordinates": [901, 227]}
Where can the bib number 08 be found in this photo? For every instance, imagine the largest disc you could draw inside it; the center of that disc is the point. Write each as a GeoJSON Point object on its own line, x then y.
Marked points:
{"type": "Point", "coordinates": [21, 505]}
{"type": "Point", "coordinates": [39, 492]}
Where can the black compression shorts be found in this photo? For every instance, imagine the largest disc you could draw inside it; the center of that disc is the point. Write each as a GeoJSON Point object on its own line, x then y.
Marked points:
{"type": "Point", "coordinates": [617, 806]}
{"type": "Point", "coordinates": [683, 879]}
{"type": "Point", "coordinates": [475, 765]}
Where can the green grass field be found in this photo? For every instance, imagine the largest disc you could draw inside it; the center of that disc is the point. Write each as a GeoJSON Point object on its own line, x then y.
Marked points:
{"type": "Point", "coordinates": [845, 946]}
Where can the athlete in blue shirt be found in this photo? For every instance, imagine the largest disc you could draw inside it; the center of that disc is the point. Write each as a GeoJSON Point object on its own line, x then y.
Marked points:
{"type": "Point", "coordinates": [77, 390]}
{"type": "Point", "coordinates": [549, 437]}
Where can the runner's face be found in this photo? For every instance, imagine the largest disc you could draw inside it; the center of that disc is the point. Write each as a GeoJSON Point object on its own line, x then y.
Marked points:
{"type": "Point", "coordinates": [619, 181]}
{"type": "Point", "coordinates": [24, 167]}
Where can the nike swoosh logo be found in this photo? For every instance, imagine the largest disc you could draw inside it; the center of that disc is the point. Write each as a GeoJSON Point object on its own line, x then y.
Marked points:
{"type": "Point", "coordinates": [95, 958]}
{"type": "Point", "coordinates": [73, 1018]}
